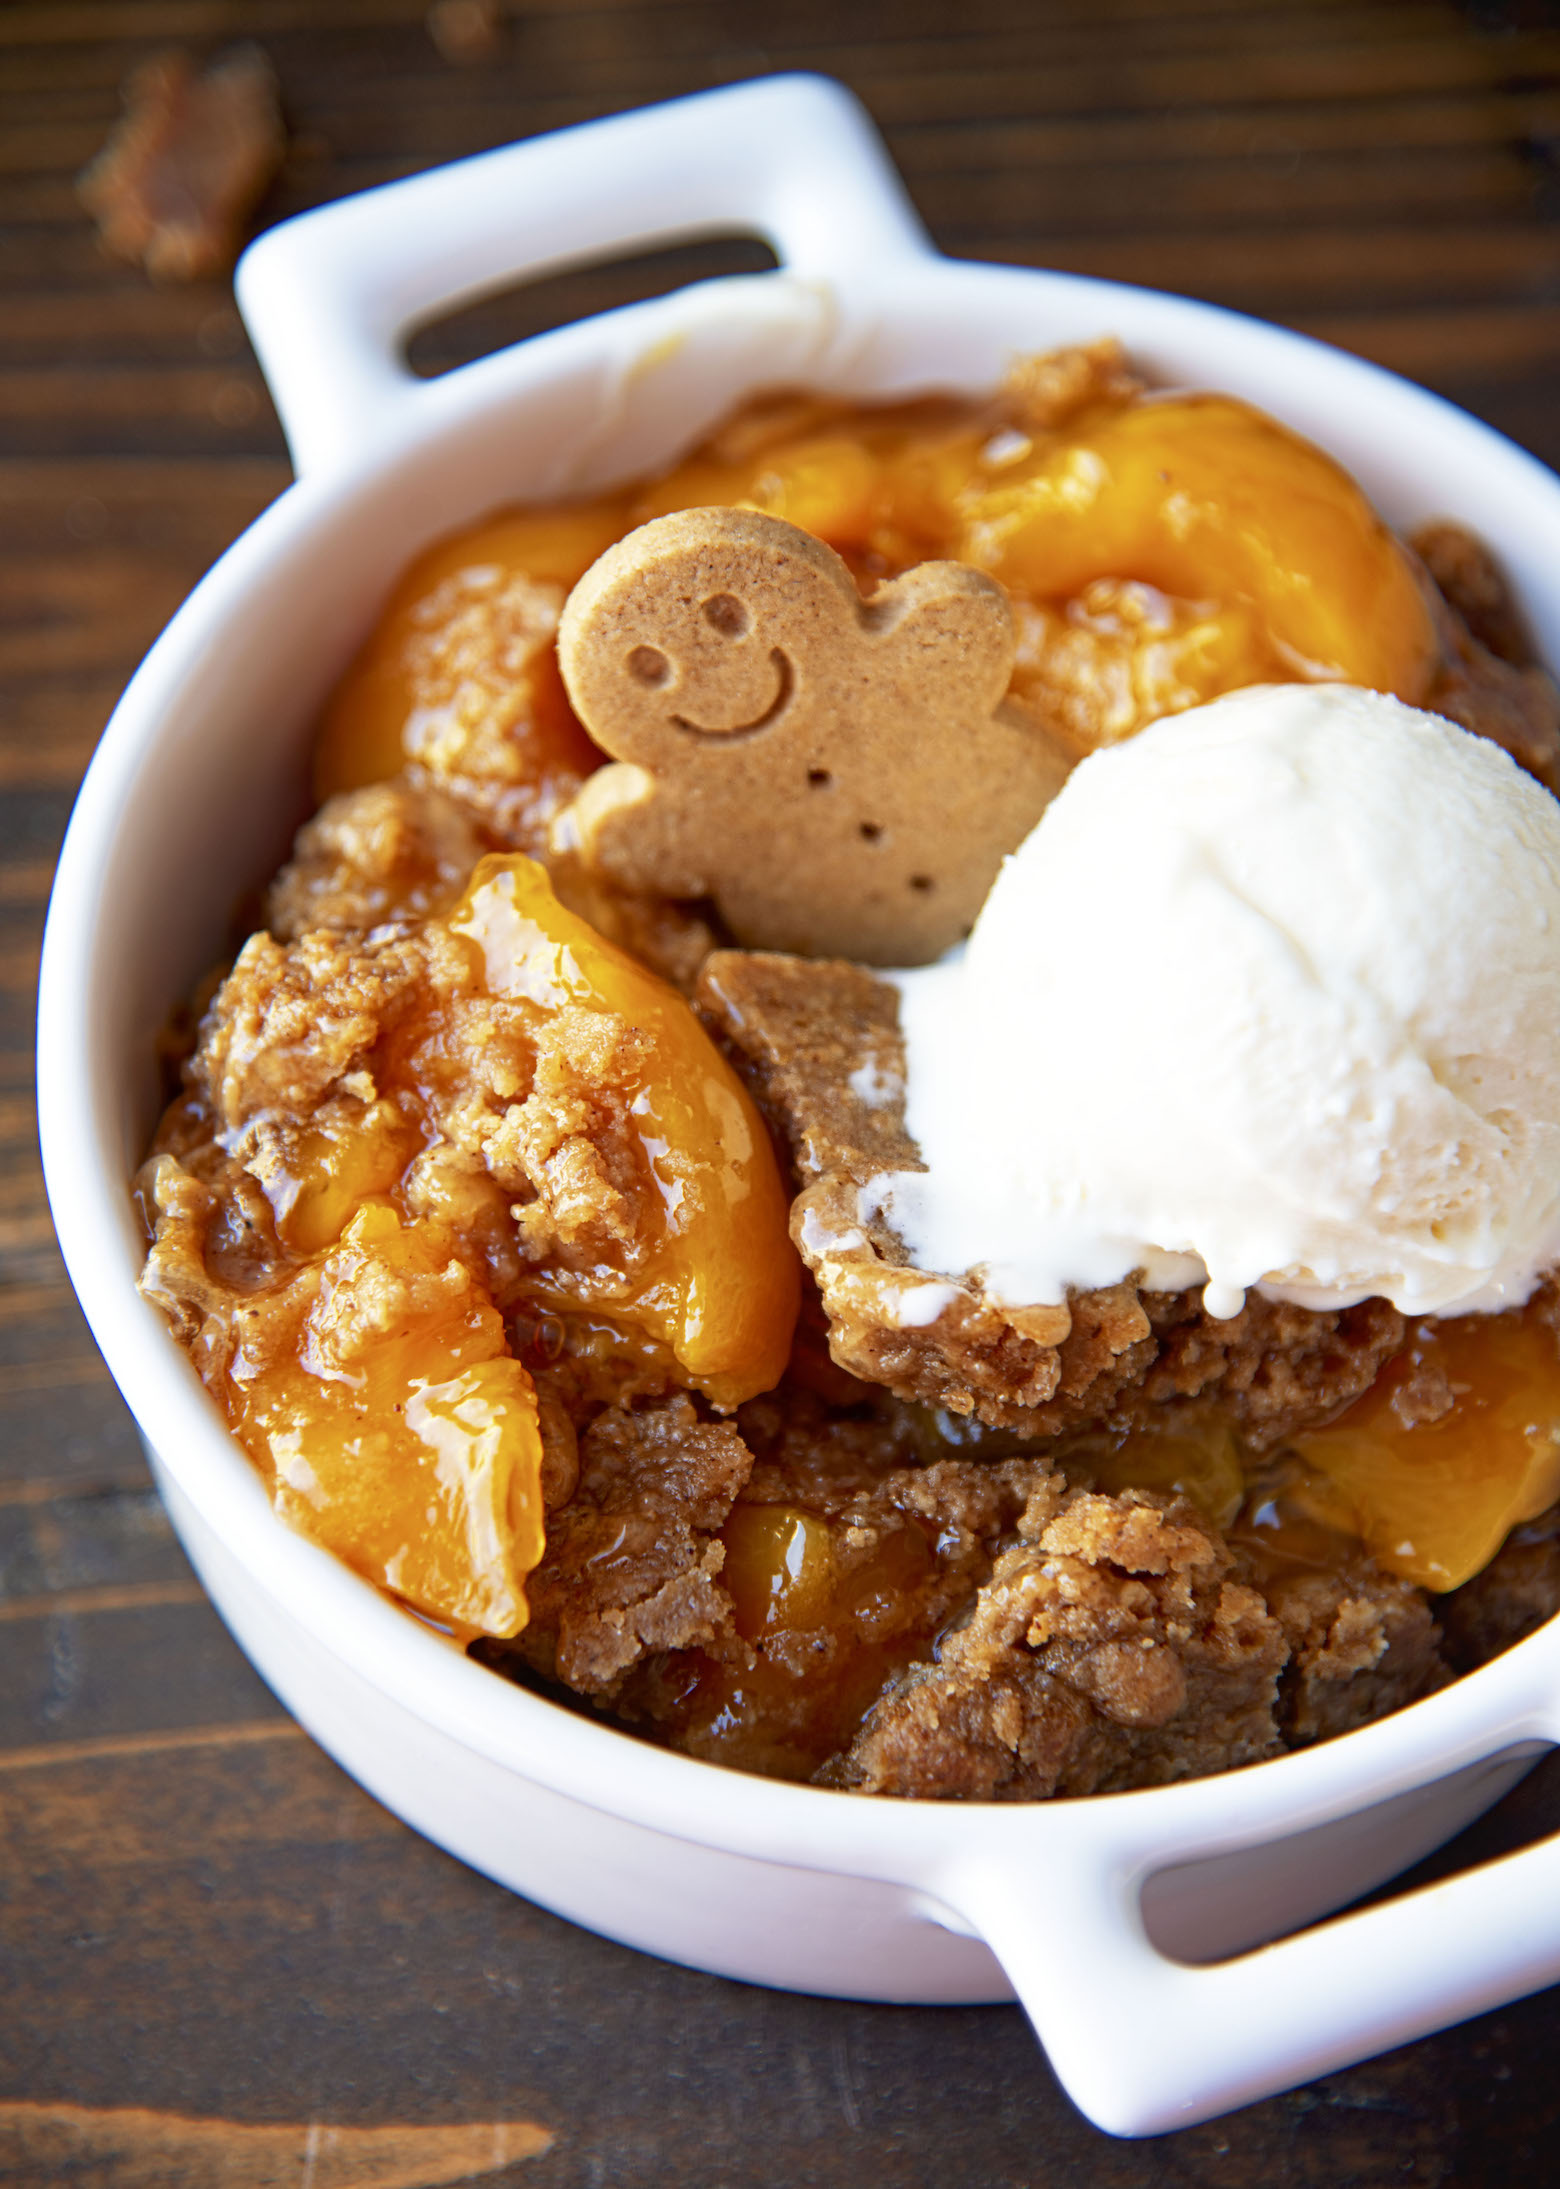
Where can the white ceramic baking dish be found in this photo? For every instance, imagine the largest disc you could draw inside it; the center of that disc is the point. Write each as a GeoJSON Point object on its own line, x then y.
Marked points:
{"type": "Point", "coordinates": [1131, 1927]}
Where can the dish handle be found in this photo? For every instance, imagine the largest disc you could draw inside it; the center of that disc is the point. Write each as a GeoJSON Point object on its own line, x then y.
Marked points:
{"type": "Point", "coordinates": [329, 298]}
{"type": "Point", "coordinates": [1144, 2043]}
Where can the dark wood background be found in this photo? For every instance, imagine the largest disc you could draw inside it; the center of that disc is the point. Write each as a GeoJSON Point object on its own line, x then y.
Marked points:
{"type": "Point", "coordinates": [220, 1963]}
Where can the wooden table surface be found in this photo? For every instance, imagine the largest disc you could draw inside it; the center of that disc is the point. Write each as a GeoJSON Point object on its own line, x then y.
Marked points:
{"type": "Point", "coordinates": [221, 1963]}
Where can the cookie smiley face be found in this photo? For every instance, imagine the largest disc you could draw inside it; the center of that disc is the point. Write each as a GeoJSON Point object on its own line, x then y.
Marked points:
{"type": "Point", "coordinates": [842, 777]}
{"type": "Point", "coordinates": [731, 674]}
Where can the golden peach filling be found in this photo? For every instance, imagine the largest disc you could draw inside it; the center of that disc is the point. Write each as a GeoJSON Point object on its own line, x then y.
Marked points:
{"type": "Point", "coordinates": [826, 1616]}
{"type": "Point", "coordinates": [1456, 1442]}
{"type": "Point", "coordinates": [460, 675]}
{"type": "Point", "coordinates": [1205, 499]}
{"type": "Point", "coordinates": [397, 1431]}
{"type": "Point", "coordinates": [1201, 1461]}
{"type": "Point", "coordinates": [779, 1568]}
{"type": "Point", "coordinates": [359, 1154]}
{"type": "Point", "coordinates": [713, 1279]}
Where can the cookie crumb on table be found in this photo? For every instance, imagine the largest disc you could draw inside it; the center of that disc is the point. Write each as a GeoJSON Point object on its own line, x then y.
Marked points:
{"type": "Point", "coordinates": [467, 31]}
{"type": "Point", "coordinates": [192, 157]}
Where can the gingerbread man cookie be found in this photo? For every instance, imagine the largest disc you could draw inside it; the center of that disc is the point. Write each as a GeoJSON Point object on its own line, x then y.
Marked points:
{"type": "Point", "coordinates": [842, 777]}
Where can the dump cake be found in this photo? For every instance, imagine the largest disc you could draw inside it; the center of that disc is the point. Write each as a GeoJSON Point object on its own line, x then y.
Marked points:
{"type": "Point", "coordinates": [534, 1225]}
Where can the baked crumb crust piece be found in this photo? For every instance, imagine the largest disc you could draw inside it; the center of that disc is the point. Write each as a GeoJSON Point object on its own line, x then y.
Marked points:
{"type": "Point", "coordinates": [385, 852]}
{"type": "Point", "coordinates": [633, 1554]}
{"type": "Point", "coordinates": [819, 1043]}
{"type": "Point", "coordinates": [1121, 1641]}
{"type": "Point", "coordinates": [1517, 1591]}
{"type": "Point", "coordinates": [1056, 1642]}
{"type": "Point", "coordinates": [1113, 1646]}
{"type": "Point", "coordinates": [1490, 679]}
{"type": "Point", "coordinates": [1361, 1644]}
{"type": "Point", "coordinates": [632, 1580]}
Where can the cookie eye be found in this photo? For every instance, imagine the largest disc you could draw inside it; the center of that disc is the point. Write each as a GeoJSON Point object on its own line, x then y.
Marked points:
{"type": "Point", "coordinates": [724, 613]}
{"type": "Point", "coordinates": [648, 665]}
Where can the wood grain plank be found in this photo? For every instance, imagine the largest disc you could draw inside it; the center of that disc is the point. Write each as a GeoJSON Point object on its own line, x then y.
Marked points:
{"type": "Point", "coordinates": [166, 322]}
{"type": "Point", "coordinates": [17, 1123]}
{"type": "Point", "coordinates": [157, 1668]}
{"type": "Point", "coordinates": [66, 23]}
{"type": "Point", "coordinates": [1490, 341]}
{"type": "Point", "coordinates": [204, 1926]}
{"type": "Point", "coordinates": [1479, 262]}
{"type": "Point", "coordinates": [1000, 58]}
{"type": "Point", "coordinates": [1021, 77]}
{"type": "Point", "coordinates": [131, 1481]}
{"type": "Point", "coordinates": [257, 1938]}
{"type": "Point", "coordinates": [1063, 34]}
{"type": "Point", "coordinates": [84, 82]}
{"type": "Point", "coordinates": [130, 478]}
{"type": "Point", "coordinates": [25, 882]}
{"type": "Point", "coordinates": [71, 1804]}
{"type": "Point", "coordinates": [125, 1596]}
{"type": "Point", "coordinates": [71, 1550]}
{"type": "Point", "coordinates": [30, 202]}
{"type": "Point", "coordinates": [27, 1249]}
{"type": "Point", "coordinates": [43, 1313]}
{"type": "Point", "coordinates": [114, 1748]}
{"type": "Point", "coordinates": [142, 2149]}
{"type": "Point", "coordinates": [45, 148]}
{"type": "Point", "coordinates": [61, 764]}
{"type": "Point", "coordinates": [19, 966]}
{"type": "Point", "coordinates": [129, 397]}
{"type": "Point", "coordinates": [135, 523]}
{"type": "Point", "coordinates": [1467, 184]}
{"type": "Point", "coordinates": [1228, 135]}
{"type": "Point", "coordinates": [95, 647]}
{"type": "Point", "coordinates": [19, 1189]}
{"type": "Point", "coordinates": [82, 21]}
{"type": "Point", "coordinates": [49, 259]}
{"type": "Point", "coordinates": [43, 22]}
{"type": "Point", "coordinates": [1044, 73]}
{"type": "Point", "coordinates": [65, 1422]}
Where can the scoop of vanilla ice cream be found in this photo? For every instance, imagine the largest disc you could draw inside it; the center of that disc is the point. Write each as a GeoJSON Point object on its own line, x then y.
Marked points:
{"type": "Point", "coordinates": [1271, 996]}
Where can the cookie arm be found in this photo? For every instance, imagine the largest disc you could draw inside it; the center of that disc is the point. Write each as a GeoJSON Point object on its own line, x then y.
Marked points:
{"type": "Point", "coordinates": [620, 824]}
